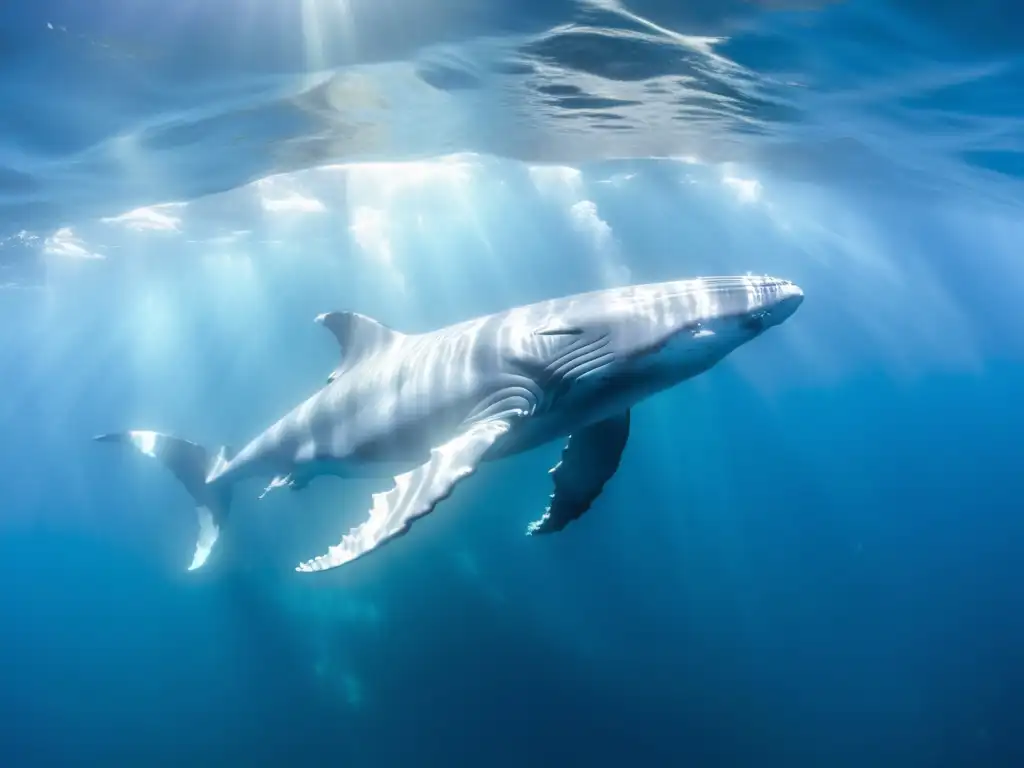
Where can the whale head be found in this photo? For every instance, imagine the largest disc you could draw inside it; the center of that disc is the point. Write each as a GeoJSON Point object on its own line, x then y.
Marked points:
{"type": "Point", "coordinates": [740, 308]}
{"type": "Point", "coordinates": [684, 327]}
{"type": "Point", "coordinates": [697, 323]}
{"type": "Point", "coordinates": [636, 340]}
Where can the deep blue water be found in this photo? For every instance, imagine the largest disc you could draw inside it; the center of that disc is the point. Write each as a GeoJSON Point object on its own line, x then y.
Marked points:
{"type": "Point", "coordinates": [811, 554]}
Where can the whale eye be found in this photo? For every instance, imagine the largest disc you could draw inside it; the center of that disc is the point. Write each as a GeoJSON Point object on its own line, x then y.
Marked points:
{"type": "Point", "coordinates": [756, 322]}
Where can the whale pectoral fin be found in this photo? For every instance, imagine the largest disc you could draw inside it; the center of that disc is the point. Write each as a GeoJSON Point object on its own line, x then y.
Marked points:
{"type": "Point", "coordinates": [415, 494]}
{"type": "Point", "coordinates": [589, 460]}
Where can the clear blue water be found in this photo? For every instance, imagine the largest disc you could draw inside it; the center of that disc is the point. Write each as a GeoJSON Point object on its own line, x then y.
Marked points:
{"type": "Point", "coordinates": [811, 555]}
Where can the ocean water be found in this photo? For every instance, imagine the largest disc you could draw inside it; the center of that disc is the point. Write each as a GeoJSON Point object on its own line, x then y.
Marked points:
{"type": "Point", "coordinates": [810, 555]}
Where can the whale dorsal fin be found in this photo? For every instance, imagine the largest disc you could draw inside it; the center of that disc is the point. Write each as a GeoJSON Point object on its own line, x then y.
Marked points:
{"type": "Point", "coordinates": [357, 335]}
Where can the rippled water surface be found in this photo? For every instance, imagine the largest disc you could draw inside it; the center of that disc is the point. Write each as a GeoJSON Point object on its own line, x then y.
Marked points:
{"type": "Point", "coordinates": [112, 105]}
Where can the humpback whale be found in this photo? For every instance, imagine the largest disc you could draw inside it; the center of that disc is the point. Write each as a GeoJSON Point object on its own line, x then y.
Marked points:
{"type": "Point", "coordinates": [429, 408]}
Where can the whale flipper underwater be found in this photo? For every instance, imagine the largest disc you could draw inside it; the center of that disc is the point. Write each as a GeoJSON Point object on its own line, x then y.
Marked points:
{"type": "Point", "coordinates": [429, 408]}
{"type": "Point", "coordinates": [589, 460]}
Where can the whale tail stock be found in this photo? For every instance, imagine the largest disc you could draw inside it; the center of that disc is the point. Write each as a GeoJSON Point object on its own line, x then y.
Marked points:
{"type": "Point", "coordinates": [192, 465]}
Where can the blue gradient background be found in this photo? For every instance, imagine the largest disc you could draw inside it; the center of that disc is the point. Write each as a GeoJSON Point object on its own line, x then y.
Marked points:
{"type": "Point", "coordinates": [810, 555]}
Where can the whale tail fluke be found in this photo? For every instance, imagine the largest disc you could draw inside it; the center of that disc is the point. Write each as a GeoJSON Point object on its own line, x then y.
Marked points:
{"type": "Point", "coordinates": [192, 465]}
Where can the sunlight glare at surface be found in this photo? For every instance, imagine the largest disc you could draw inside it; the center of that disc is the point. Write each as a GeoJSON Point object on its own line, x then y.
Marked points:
{"type": "Point", "coordinates": [278, 196]}
{"type": "Point", "coordinates": [564, 185]}
{"type": "Point", "coordinates": [380, 196]}
{"type": "Point", "coordinates": [153, 218]}
{"type": "Point", "coordinates": [65, 243]}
